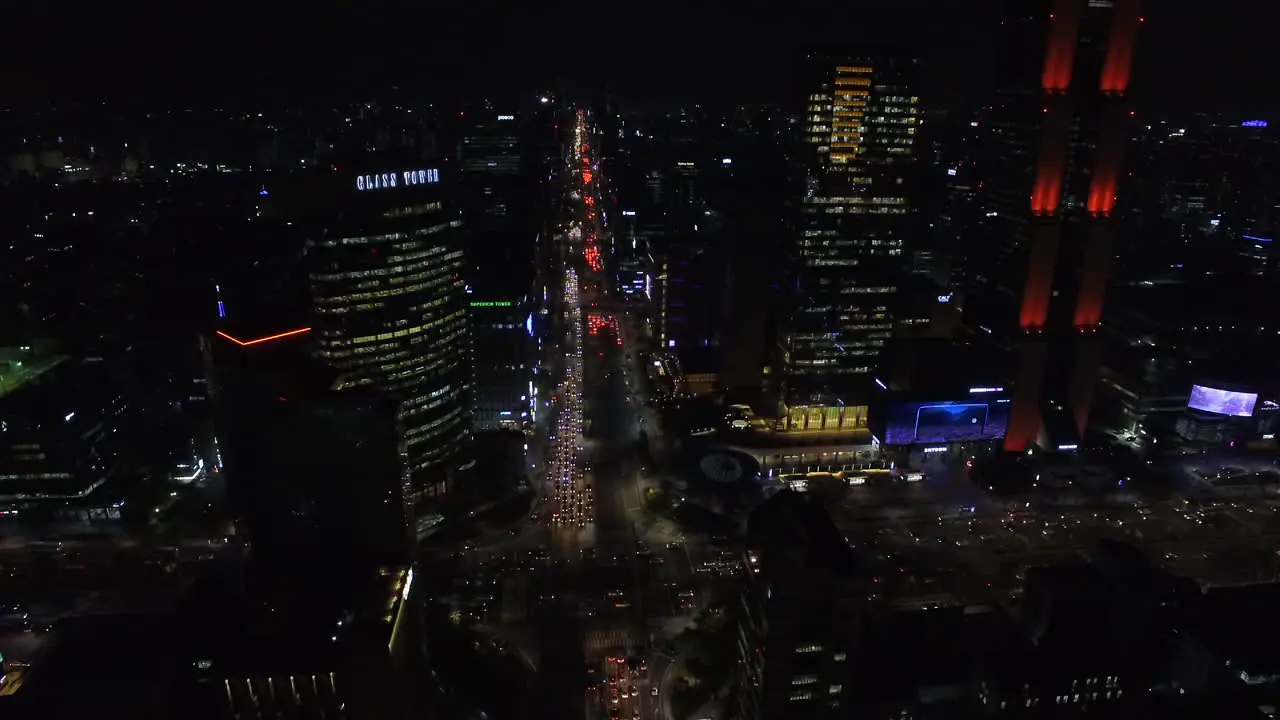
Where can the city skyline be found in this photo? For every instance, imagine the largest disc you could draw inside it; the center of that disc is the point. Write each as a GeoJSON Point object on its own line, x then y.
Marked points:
{"type": "Point", "coordinates": [886, 359]}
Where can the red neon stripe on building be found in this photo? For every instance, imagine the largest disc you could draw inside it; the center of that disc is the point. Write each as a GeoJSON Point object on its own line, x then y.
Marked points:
{"type": "Point", "coordinates": [1051, 161]}
{"type": "Point", "coordinates": [1024, 413]}
{"type": "Point", "coordinates": [1084, 379]}
{"type": "Point", "coordinates": [1110, 155]}
{"type": "Point", "coordinates": [1093, 279]}
{"type": "Point", "coordinates": [1120, 41]}
{"type": "Point", "coordinates": [1041, 264]}
{"type": "Point", "coordinates": [1060, 56]}
{"type": "Point", "coordinates": [268, 338]}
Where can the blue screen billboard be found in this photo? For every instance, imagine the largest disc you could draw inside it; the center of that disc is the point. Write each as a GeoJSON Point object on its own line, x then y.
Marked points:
{"type": "Point", "coordinates": [1222, 402]}
{"type": "Point", "coordinates": [946, 421]}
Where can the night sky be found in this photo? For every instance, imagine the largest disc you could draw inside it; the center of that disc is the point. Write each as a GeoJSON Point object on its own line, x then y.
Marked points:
{"type": "Point", "coordinates": [1209, 55]}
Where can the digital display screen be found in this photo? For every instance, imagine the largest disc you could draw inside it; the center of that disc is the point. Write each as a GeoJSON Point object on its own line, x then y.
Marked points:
{"type": "Point", "coordinates": [946, 421]}
{"type": "Point", "coordinates": [1222, 402]}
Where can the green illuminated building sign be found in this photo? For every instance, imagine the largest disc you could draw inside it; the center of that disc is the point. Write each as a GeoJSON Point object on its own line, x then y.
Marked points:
{"type": "Point", "coordinates": [491, 303]}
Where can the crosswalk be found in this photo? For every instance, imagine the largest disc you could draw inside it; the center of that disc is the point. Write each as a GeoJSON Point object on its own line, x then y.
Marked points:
{"type": "Point", "coordinates": [607, 641]}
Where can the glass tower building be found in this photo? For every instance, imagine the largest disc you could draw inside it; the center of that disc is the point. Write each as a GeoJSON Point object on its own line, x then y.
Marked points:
{"type": "Point", "coordinates": [388, 297]}
{"type": "Point", "coordinates": [860, 120]}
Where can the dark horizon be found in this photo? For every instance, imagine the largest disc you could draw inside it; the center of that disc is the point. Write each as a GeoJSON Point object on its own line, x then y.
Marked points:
{"type": "Point", "coordinates": [209, 55]}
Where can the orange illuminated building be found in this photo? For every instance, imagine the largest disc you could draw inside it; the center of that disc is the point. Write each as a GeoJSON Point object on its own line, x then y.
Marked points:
{"type": "Point", "coordinates": [852, 227]}
{"type": "Point", "coordinates": [1072, 116]}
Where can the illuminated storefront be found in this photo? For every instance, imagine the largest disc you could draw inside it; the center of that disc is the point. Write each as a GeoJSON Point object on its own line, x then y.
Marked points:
{"type": "Point", "coordinates": [824, 418]}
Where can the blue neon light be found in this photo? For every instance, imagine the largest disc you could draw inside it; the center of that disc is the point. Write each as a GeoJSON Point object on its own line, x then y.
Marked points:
{"type": "Point", "coordinates": [222, 310]}
{"type": "Point", "coordinates": [528, 324]}
{"type": "Point", "coordinates": [1254, 123]}
{"type": "Point", "coordinates": [1255, 238]}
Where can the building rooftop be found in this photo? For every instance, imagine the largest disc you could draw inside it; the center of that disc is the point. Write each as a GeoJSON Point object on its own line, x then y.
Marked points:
{"type": "Point", "coordinates": [282, 623]}
{"type": "Point", "coordinates": [1223, 331]}
{"type": "Point", "coordinates": [936, 653]}
{"type": "Point", "coordinates": [1210, 299]}
{"type": "Point", "coordinates": [58, 402]}
{"type": "Point", "coordinates": [792, 531]}
{"type": "Point", "coordinates": [227, 651]}
{"type": "Point", "coordinates": [697, 360]}
{"type": "Point", "coordinates": [119, 665]}
{"type": "Point", "coordinates": [22, 366]}
{"type": "Point", "coordinates": [1234, 624]}
{"type": "Point", "coordinates": [48, 388]}
{"type": "Point", "coordinates": [921, 366]}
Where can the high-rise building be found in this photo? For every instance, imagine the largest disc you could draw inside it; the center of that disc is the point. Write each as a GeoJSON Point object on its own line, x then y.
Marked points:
{"type": "Point", "coordinates": [491, 167]}
{"type": "Point", "coordinates": [318, 481]}
{"type": "Point", "coordinates": [502, 324]}
{"type": "Point", "coordinates": [386, 273]}
{"type": "Point", "coordinates": [308, 468]}
{"type": "Point", "coordinates": [802, 607]}
{"type": "Point", "coordinates": [687, 294]}
{"type": "Point", "coordinates": [860, 120]}
{"type": "Point", "coordinates": [1059, 127]}
{"type": "Point", "coordinates": [502, 168]}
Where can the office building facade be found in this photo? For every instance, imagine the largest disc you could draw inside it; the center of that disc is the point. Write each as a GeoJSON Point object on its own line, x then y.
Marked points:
{"type": "Point", "coordinates": [503, 328]}
{"type": "Point", "coordinates": [388, 298]}
{"type": "Point", "coordinates": [491, 164]}
{"type": "Point", "coordinates": [1060, 126]}
{"type": "Point", "coordinates": [860, 122]}
{"type": "Point", "coordinates": [801, 611]}
{"type": "Point", "coordinates": [631, 255]}
{"type": "Point", "coordinates": [688, 295]}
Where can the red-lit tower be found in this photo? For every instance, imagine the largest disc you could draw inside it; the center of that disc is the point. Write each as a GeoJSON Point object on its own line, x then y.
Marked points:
{"type": "Point", "coordinates": [1070, 124]}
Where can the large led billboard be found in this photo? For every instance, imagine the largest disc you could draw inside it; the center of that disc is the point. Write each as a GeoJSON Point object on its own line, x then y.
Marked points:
{"type": "Point", "coordinates": [1222, 402]}
{"type": "Point", "coordinates": [946, 421]}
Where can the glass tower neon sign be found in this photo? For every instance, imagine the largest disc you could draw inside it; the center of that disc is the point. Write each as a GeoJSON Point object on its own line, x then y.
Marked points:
{"type": "Point", "coordinates": [382, 181]}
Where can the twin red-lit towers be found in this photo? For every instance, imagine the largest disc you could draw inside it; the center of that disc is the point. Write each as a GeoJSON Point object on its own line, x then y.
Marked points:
{"type": "Point", "coordinates": [1072, 129]}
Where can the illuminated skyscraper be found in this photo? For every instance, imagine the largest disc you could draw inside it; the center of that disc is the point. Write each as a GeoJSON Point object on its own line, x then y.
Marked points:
{"type": "Point", "coordinates": [1060, 125]}
{"type": "Point", "coordinates": [388, 295]}
{"type": "Point", "coordinates": [861, 117]}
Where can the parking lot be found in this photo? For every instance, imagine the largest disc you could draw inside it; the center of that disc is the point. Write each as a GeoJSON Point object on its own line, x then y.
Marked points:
{"type": "Point", "coordinates": [1210, 474]}
{"type": "Point", "coordinates": [926, 550]}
